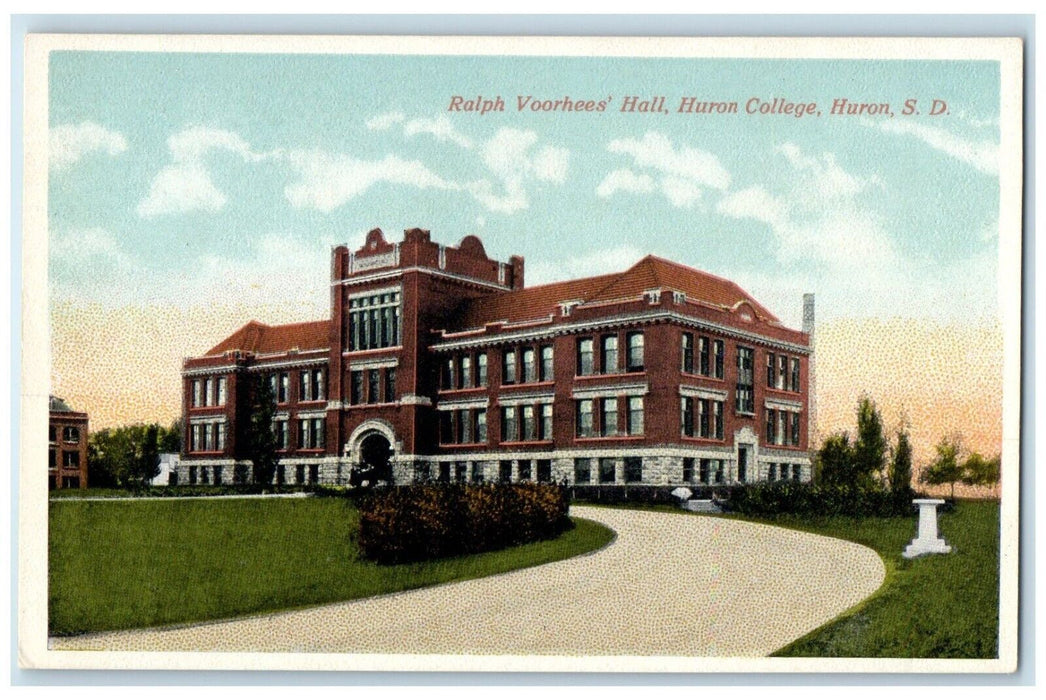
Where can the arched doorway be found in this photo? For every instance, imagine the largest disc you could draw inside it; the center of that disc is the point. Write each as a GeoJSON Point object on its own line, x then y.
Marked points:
{"type": "Point", "coordinates": [375, 452]}
{"type": "Point", "coordinates": [371, 449]}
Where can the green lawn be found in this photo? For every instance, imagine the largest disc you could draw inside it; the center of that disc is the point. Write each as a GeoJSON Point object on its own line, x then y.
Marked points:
{"type": "Point", "coordinates": [940, 606]}
{"type": "Point", "coordinates": [124, 564]}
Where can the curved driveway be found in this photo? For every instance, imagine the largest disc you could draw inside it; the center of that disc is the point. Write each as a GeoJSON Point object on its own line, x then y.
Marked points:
{"type": "Point", "coordinates": [670, 584]}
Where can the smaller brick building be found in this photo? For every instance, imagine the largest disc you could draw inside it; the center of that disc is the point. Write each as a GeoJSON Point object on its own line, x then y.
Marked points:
{"type": "Point", "coordinates": [66, 446]}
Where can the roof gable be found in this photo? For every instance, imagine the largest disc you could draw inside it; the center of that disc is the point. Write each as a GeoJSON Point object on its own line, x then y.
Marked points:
{"type": "Point", "coordinates": [261, 339]}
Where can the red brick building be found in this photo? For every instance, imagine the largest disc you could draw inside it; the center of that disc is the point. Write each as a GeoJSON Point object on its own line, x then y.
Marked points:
{"type": "Point", "coordinates": [439, 361]}
{"type": "Point", "coordinates": [66, 446]}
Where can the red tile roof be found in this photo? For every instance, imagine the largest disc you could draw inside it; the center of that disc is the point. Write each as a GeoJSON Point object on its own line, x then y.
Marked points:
{"type": "Point", "coordinates": [649, 273]}
{"type": "Point", "coordinates": [259, 338]}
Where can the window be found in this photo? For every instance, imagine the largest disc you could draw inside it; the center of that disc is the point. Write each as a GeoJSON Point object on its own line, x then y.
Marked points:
{"type": "Point", "coordinates": [197, 393]}
{"type": "Point", "coordinates": [705, 470]}
{"type": "Point", "coordinates": [797, 472]}
{"type": "Point", "coordinates": [782, 372]}
{"type": "Point", "coordinates": [530, 370]}
{"type": "Point", "coordinates": [582, 470]}
{"type": "Point", "coordinates": [283, 387]}
{"type": "Point", "coordinates": [688, 353]}
{"type": "Point", "coordinates": [299, 474]}
{"type": "Point", "coordinates": [374, 321]}
{"type": "Point", "coordinates": [281, 432]}
{"type": "Point", "coordinates": [688, 469]}
{"type": "Point", "coordinates": [464, 426]}
{"type": "Point", "coordinates": [635, 415]}
{"type": "Point", "coordinates": [771, 375]}
{"type": "Point", "coordinates": [717, 411]}
{"type": "Point", "coordinates": [608, 416]}
{"type": "Point", "coordinates": [356, 392]}
{"type": "Point", "coordinates": [310, 385]}
{"type": "Point", "coordinates": [745, 389]}
{"type": "Point", "coordinates": [52, 458]}
{"type": "Point", "coordinates": [584, 357]}
{"type": "Point", "coordinates": [422, 472]}
{"type": "Point", "coordinates": [390, 385]}
{"type": "Point", "coordinates": [770, 427]}
{"type": "Point", "coordinates": [635, 352]}
{"type": "Point", "coordinates": [782, 428]}
{"type": "Point", "coordinates": [528, 423]}
{"type": "Point", "coordinates": [546, 421]}
{"type": "Point", "coordinates": [719, 350]}
{"type": "Point", "coordinates": [208, 388]}
{"type": "Point", "coordinates": [544, 470]}
{"type": "Point", "coordinates": [219, 436]}
{"type": "Point", "coordinates": [221, 391]}
{"type": "Point", "coordinates": [584, 418]}
{"type": "Point", "coordinates": [373, 379]}
{"type": "Point", "coordinates": [607, 470]}
{"type": "Point", "coordinates": [477, 473]}
{"type": "Point", "coordinates": [218, 475]}
{"type": "Point", "coordinates": [460, 472]}
{"type": "Point", "coordinates": [447, 375]}
{"type": "Point", "coordinates": [509, 426]}
{"type": "Point", "coordinates": [194, 438]}
{"type": "Point", "coordinates": [705, 356]}
{"type": "Point", "coordinates": [633, 470]}
{"type": "Point", "coordinates": [524, 469]}
{"type": "Point", "coordinates": [71, 460]}
{"type": "Point", "coordinates": [703, 417]}
{"type": "Point", "coordinates": [314, 473]}
{"type": "Point", "coordinates": [718, 464]}
{"type": "Point", "coordinates": [52, 433]}
{"type": "Point", "coordinates": [465, 372]}
{"type": "Point", "coordinates": [311, 433]}
{"type": "Point", "coordinates": [771, 475]}
{"type": "Point", "coordinates": [505, 471]}
{"type": "Point", "coordinates": [795, 374]}
{"type": "Point", "coordinates": [546, 363]}
{"type": "Point", "coordinates": [687, 411]}
{"type": "Point", "coordinates": [481, 369]}
{"type": "Point", "coordinates": [481, 425]}
{"type": "Point", "coordinates": [608, 354]}
{"type": "Point", "coordinates": [795, 429]}
{"type": "Point", "coordinates": [70, 433]}
{"type": "Point", "coordinates": [444, 472]}
{"type": "Point", "coordinates": [192, 474]}
{"type": "Point", "coordinates": [508, 367]}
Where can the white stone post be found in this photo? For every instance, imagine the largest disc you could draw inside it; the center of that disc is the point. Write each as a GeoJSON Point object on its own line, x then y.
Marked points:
{"type": "Point", "coordinates": [927, 541]}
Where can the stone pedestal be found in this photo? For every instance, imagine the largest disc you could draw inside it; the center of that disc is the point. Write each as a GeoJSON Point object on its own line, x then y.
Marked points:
{"type": "Point", "coordinates": [927, 541]}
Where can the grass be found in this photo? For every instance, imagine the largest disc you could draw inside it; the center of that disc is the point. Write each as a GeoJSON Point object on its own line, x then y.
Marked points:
{"type": "Point", "coordinates": [941, 606]}
{"type": "Point", "coordinates": [125, 564]}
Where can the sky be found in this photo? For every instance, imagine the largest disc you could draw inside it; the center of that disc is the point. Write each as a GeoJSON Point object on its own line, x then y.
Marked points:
{"type": "Point", "coordinates": [189, 193]}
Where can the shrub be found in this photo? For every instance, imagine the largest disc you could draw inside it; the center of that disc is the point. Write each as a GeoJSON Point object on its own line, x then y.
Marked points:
{"type": "Point", "coordinates": [776, 498]}
{"type": "Point", "coordinates": [430, 521]}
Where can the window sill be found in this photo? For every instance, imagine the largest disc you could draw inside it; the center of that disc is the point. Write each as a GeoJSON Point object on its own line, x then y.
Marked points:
{"type": "Point", "coordinates": [714, 440]}
{"type": "Point", "coordinates": [471, 445]}
{"type": "Point", "coordinates": [525, 443]}
{"type": "Point", "coordinates": [709, 377]}
{"type": "Point", "coordinates": [462, 390]}
{"type": "Point", "coordinates": [609, 438]}
{"type": "Point", "coordinates": [372, 351]}
{"type": "Point", "coordinates": [615, 375]}
{"type": "Point", "coordinates": [528, 385]}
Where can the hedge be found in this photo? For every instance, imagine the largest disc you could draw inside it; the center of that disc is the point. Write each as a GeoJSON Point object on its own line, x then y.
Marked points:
{"type": "Point", "coordinates": [430, 521]}
{"type": "Point", "coordinates": [775, 498]}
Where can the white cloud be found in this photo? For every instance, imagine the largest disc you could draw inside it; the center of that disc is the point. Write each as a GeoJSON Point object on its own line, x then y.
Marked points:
{"type": "Point", "coordinates": [185, 185]}
{"type": "Point", "coordinates": [624, 180]}
{"type": "Point", "coordinates": [513, 156]}
{"type": "Point", "coordinates": [683, 174]}
{"type": "Point", "coordinates": [982, 155]}
{"type": "Point", "coordinates": [326, 181]}
{"type": "Point", "coordinates": [69, 143]}
{"type": "Point", "coordinates": [441, 127]}
{"type": "Point", "coordinates": [383, 122]}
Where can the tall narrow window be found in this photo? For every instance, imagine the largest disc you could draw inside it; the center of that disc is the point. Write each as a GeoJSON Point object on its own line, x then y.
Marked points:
{"type": "Point", "coordinates": [447, 375]}
{"type": "Point", "coordinates": [584, 418]}
{"type": "Point", "coordinates": [782, 372]}
{"type": "Point", "coordinates": [704, 352]}
{"type": "Point", "coordinates": [688, 469]}
{"type": "Point", "coordinates": [546, 421]}
{"type": "Point", "coordinates": [795, 429]}
{"type": "Point", "coordinates": [528, 423]}
{"type": "Point", "coordinates": [633, 470]}
{"type": "Point", "coordinates": [508, 366]}
{"type": "Point", "coordinates": [717, 410]}
{"type": "Point", "coordinates": [283, 387]}
{"type": "Point", "coordinates": [795, 374]}
{"type": "Point", "coordinates": [509, 426]}
{"type": "Point", "coordinates": [607, 470]}
{"type": "Point", "coordinates": [687, 410]}
{"type": "Point", "coordinates": [464, 426]}
{"type": "Point", "coordinates": [197, 393]}
{"type": "Point", "coordinates": [704, 418]}
{"type": "Point", "coordinates": [530, 370]}
{"type": "Point", "coordinates": [219, 436]}
{"type": "Point", "coordinates": [771, 424]}
{"type": "Point", "coordinates": [373, 384]}
{"type": "Point", "coordinates": [582, 470]}
{"type": "Point", "coordinates": [584, 357]}
{"type": "Point", "coordinates": [608, 416]}
{"type": "Point", "coordinates": [546, 363]}
{"type": "Point", "coordinates": [719, 350]}
{"type": "Point", "coordinates": [390, 385]}
{"type": "Point", "coordinates": [304, 385]}
{"type": "Point", "coordinates": [608, 354]}
{"type": "Point", "coordinates": [221, 391]}
{"type": "Point", "coordinates": [635, 352]}
{"type": "Point", "coordinates": [688, 353]}
{"type": "Point", "coordinates": [782, 428]}
{"type": "Point", "coordinates": [464, 372]}
{"type": "Point", "coordinates": [771, 374]}
{"type": "Point", "coordinates": [635, 415]}
{"type": "Point", "coordinates": [356, 392]}
{"type": "Point", "coordinates": [481, 369]}
{"type": "Point", "coordinates": [481, 425]}
{"type": "Point", "coordinates": [208, 397]}
{"type": "Point", "coordinates": [745, 389]}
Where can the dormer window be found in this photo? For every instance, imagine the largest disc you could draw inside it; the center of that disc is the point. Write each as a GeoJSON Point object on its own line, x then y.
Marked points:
{"type": "Point", "coordinates": [678, 298]}
{"type": "Point", "coordinates": [652, 296]}
{"type": "Point", "coordinates": [565, 307]}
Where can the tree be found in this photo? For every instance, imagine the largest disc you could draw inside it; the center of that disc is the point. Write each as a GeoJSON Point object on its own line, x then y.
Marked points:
{"type": "Point", "coordinates": [948, 467]}
{"type": "Point", "coordinates": [980, 471]}
{"type": "Point", "coordinates": [835, 461]}
{"type": "Point", "coordinates": [146, 463]}
{"type": "Point", "coordinates": [901, 466]}
{"type": "Point", "coordinates": [171, 438]}
{"type": "Point", "coordinates": [127, 456]}
{"type": "Point", "coordinates": [869, 450]}
{"type": "Point", "coordinates": [261, 440]}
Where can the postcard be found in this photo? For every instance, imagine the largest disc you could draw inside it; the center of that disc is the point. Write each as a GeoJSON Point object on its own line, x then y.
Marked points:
{"type": "Point", "coordinates": [521, 353]}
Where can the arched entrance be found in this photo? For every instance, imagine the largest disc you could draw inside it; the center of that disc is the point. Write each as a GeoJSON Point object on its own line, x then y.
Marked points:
{"type": "Point", "coordinates": [371, 448]}
{"type": "Point", "coordinates": [375, 451]}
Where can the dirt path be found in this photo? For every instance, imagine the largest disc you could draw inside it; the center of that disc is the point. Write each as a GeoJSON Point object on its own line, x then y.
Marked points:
{"type": "Point", "coordinates": [669, 584]}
